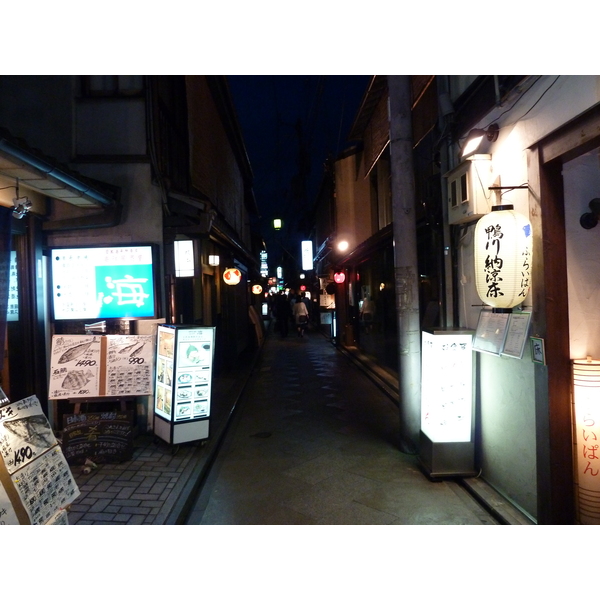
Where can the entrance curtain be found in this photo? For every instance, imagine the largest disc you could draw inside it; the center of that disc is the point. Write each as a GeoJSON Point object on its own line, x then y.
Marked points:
{"type": "Point", "coordinates": [5, 244]}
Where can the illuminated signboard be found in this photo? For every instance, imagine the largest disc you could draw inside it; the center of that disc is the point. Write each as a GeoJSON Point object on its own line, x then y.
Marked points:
{"type": "Point", "coordinates": [307, 255]}
{"type": "Point", "coordinates": [446, 387]}
{"type": "Point", "coordinates": [12, 311]}
{"type": "Point", "coordinates": [264, 268]}
{"type": "Point", "coordinates": [184, 258]}
{"type": "Point", "coordinates": [103, 282]}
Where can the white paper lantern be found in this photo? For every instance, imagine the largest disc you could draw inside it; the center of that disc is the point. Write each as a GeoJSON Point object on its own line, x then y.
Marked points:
{"type": "Point", "coordinates": [232, 276]}
{"type": "Point", "coordinates": [586, 397]}
{"type": "Point", "coordinates": [503, 246]}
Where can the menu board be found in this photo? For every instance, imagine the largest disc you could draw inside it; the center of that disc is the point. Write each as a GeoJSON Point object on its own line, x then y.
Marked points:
{"type": "Point", "coordinates": [502, 333]}
{"type": "Point", "coordinates": [105, 437]}
{"type": "Point", "coordinates": [91, 366]}
{"type": "Point", "coordinates": [491, 332]}
{"type": "Point", "coordinates": [35, 478]}
{"type": "Point", "coordinates": [164, 372]}
{"type": "Point", "coordinates": [129, 363]}
{"type": "Point", "coordinates": [516, 336]}
{"type": "Point", "coordinates": [75, 366]}
{"type": "Point", "coordinates": [183, 373]}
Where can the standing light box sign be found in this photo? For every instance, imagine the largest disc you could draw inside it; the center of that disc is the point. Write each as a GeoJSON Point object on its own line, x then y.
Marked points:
{"type": "Point", "coordinates": [503, 246]}
{"type": "Point", "coordinates": [586, 396]}
{"type": "Point", "coordinates": [183, 383]}
{"type": "Point", "coordinates": [447, 445]}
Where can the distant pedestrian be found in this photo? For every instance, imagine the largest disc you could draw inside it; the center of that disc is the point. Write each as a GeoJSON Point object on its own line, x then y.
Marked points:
{"type": "Point", "coordinates": [283, 314]}
{"type": "Point", "coordinates": [301, 317]}
{"type": "Point", "coordinates": [307, 302]}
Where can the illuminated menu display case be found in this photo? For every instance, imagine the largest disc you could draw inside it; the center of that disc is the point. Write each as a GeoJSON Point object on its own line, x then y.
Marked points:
{"type": "Point", "coordinates": [447, 445]}
{"type": "Point", "coordinates": [184, 363]}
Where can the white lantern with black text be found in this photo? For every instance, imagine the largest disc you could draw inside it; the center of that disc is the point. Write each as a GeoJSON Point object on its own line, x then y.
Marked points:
{"type": "Point", "coordinates": [503, 253]}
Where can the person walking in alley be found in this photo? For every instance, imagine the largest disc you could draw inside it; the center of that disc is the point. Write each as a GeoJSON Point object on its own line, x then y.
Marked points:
{"type": "Point", "coordinates": [300, 317]}
{"type": "Point", "coordinates": [283, 314]}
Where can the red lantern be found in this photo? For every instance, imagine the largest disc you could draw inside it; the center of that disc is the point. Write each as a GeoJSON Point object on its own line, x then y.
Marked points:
{"type": "Point", "coordinates": [232, 276]}
{"type": "Point", "coordinates": [339, 277]}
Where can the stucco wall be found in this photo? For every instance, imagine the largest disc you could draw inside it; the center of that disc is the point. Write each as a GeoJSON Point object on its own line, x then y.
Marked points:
{"type": "Point", "coordinates": [353, 205]}
{"type": "Point", "coordinates": [582, 183]}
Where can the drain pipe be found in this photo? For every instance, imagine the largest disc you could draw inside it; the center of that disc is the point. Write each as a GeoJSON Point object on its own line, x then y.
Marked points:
{"type": "Point", "coordinates": [405, 262]}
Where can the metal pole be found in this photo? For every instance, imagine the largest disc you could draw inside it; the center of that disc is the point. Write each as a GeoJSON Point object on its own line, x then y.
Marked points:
{"type": "Point", "coordinates": [405, 262]}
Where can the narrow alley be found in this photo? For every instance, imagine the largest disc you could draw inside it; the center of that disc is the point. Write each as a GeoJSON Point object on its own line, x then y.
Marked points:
{"type": "Point", "coordinates": [314, 441]}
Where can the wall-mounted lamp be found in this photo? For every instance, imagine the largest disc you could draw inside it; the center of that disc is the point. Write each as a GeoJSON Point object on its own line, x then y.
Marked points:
{"type": "Point", "coordinates": [277, 223]}
{"type": "Point", "coordinates": [22, 204]}
{"type": "Point", "coordinates": [213, 260]}
{"type": "Point", "coordinates": [476, 136]}
{"type": "Point", "coordinates": [343, 246]}
{"type": "Point", "coordinates": [590, 220]}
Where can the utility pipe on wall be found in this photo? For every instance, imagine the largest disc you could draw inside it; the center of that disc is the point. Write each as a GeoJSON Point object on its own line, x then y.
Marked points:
{"type": "Point", "coordinates": [405, 262]}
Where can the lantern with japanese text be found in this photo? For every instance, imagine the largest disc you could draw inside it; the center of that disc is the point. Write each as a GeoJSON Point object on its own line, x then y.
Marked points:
{"type": "Point", "coordinates": [503, 252]}
{"type": "Point", "coordinates": [256, 289]}
{"type": "Point", "coordinates": [586, 398]}
{"type": "Point", "coordinates": [232, 276]}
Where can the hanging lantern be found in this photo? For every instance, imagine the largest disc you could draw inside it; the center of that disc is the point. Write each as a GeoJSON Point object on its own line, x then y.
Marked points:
{"type": "Point", "coordinates": [256, 289]}
{"type": "Point", "coordinates": [339, 277]}
{"type": "Point", "coordinates": [232, 276]}
{"type": "Point", "coordinates": [503, 246]}
{"type": "Point", "coordinates": [586, 398]}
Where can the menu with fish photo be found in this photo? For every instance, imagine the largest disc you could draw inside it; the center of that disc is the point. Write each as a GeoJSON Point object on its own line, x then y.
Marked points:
{"type": "Point", "coordinates": [92, 366]}
{"type": "Point", "coordinates": [35, 480]}
{"type": "Point", "coordinates": [130, 365]}
{"type": "Point", "coordinates": [75, 366]}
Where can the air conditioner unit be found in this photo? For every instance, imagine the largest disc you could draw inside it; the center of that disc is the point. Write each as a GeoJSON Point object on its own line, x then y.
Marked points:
{"type": "Point", "coordinates": [468, 195]}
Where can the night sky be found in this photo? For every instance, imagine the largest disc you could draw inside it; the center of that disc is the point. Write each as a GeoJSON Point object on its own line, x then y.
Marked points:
{"type": "Point", "coordinates": [291, 124]}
